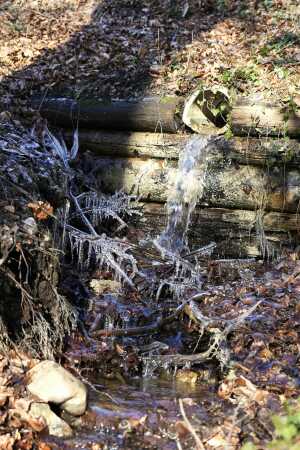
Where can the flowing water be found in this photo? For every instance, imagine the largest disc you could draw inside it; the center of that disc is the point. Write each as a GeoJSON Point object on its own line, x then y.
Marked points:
{"type": "Point", "coordinates": [185, 193]}
{"type": "Point", "coordinates": [140, 415]}
{"type": "Point", "coordinates": [144, 412]}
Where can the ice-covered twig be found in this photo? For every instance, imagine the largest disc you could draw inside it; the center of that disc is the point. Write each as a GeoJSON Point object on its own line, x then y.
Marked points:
{"type": "Point", "coordinates": [151, 328]}
{"type": "Point", "coordinates": [231, 324]}
{"type": "Point", "coordinates": [59, 147]}
{"type": "Point", "coordinates": [214, 347]}
{"type": "Point", "coordinates": [83, 216]}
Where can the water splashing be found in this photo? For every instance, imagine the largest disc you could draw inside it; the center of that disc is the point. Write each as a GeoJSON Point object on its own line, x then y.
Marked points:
{"type": "Point", "coordinates": [184, 195]}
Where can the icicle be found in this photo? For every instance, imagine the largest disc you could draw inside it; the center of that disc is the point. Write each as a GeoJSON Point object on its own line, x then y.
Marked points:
{"type": "Point", "coordinates": [66, 211]}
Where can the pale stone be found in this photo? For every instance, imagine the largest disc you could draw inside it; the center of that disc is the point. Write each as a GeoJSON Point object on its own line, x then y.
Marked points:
{"type": "Point", "coordinates": [56, 426]}
{"type": "Point", "coordinates": [52, 383]}
{"type": "Point", "coordinates": [186, 376]}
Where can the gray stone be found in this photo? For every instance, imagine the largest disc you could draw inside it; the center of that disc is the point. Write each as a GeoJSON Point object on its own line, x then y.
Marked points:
{"type": "Point", "coordinates": [56, 426]}
{"type": "Point", "coordinates": [52, 383]}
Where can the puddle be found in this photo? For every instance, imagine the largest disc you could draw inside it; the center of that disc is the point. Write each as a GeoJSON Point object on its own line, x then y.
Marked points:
{"type": "Point", "coordinates": [141, 415]}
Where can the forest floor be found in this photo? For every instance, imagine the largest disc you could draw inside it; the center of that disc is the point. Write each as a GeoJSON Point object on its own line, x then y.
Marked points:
{"type": "Point", "coordinates": [118, 49]}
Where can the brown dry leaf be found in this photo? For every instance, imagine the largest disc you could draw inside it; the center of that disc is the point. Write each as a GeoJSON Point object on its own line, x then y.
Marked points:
{"type": "Point", "coordinates": [97, 446]}
{"type": "Point", "coordinates": [26, 443]}
{"type": "Point", "coordinates": [242, 387]}
{"type": "Point", "coordinates": [245, 387]}
{"type": "Point", "coordinates": [132, 424]}
{"type": "Point", "coordinates": [7, 391]}
{"type": "Point", "coordinates": [18, 417]}
{"type": "Point", "coordinates": [41, 210]}
{"type": "Point", "coordinates": [181, 429]}
{"type": "Point", "coordinates": [36, 423]}
{"type": "Point", "coordinates": [44, 446]}
{"type": "Point", "coordinates": [3, 363]}
{"type": "Point", "coordinates": [225, 389]}
{"type": "Point", "coordinates": [7, 442]}
{"type": "Point", "coordinates": [22, 403]}
{"type": "Point", "coordinates": [3, 418]}
{"type": "Point", "coordinates": [4, 380]}
{"type": "Point", "coordinates": [3, 399]}
{"type": "Point", "coordinates": [217, 441]}
{"type": "Point", "coordinates": [4, 52]}
{"type": "Point", "coordinates": [120, 350]}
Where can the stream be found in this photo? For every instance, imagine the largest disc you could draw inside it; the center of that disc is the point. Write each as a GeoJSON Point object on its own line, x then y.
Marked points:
{"type": "Point", "coordinates": [155, 347]}
{"type": "Point", "coordinates": [142, 414]}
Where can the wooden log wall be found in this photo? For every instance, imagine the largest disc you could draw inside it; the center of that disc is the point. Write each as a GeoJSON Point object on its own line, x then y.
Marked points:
{"type": "Point", "coordinates": [252, 186]}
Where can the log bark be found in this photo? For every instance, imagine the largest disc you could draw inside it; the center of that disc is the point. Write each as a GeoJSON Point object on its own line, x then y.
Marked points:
{"type": "Point", "coordinates": [244, 219]}
{"type": "Point", "coordinates": [153, 114]}
{"type": "Point", "coordinates": [230, 186]}
{"type": "Point", "coordinates": [162, 145]}
{"type": "Point", "coordinates": [251, 117]}
{"type": "Point", "coordinates": [247, 117]}
{"type": "Point", "coordinates": [237, 233]}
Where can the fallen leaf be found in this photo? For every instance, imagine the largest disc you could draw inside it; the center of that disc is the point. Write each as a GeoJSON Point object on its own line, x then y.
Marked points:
{"type": "Point", "coordinates": [7, 442]}
{"type": "Point", "coordinates": [41, 210]}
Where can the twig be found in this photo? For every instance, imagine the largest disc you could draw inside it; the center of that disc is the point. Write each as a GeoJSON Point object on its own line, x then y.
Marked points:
{"type": "Point", "coordinates": [160, 322]}
{"type": "Point", "coordinates": [83, 216]}
{"type": "Point", "coordinates": [202, 250]}
{"type": "Point", "coordinates": [231, 323]}
{"type": "Point", "coordinates": [219, 336]}
{"type": "Point", "coordinates": [88, 383]}
{"type": "Point", "coordinates": [199, 444]}
{"type": "Point", "coordinates": [10, 275]}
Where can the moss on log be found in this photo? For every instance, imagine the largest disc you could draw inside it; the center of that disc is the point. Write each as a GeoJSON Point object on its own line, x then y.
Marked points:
{"type": "Point", "coordinates": [230, 186]}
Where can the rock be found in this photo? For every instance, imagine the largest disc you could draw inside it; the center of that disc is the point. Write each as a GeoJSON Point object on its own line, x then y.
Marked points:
{"type": "Point", "coordinates": [186, 376]}
{"type": "Point", "coordinates": [52, 383]}
{"type": "Point", "coordinates": [56, 426]}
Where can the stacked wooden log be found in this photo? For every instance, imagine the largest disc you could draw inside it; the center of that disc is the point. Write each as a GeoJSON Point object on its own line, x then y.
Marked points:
{"type": "Point", "coordinates": [252, 185]}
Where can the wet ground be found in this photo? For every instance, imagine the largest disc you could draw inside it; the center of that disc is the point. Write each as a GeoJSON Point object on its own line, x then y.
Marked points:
{"type": "Point", "coordinates": [142, 414]}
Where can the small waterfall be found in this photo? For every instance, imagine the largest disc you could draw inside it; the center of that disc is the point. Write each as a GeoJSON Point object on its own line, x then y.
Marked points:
{"type": "Point", "coordinates": [185, 193]}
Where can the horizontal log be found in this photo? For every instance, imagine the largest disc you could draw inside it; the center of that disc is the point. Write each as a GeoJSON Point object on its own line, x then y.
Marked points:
{"type": "Point", "coordinates": [247, 116]}
{"type": "Point", "coordinates": [237, 233]}
{"type": "Point", "coordinates": [232, 186]}
{"type": "Point", "coordinates": [255, 117]}
{"type": "Point", "coordinates": [153, 114]}
{"type": "Point", "coordinates": [243, 219]}
{"type": "Point", "coordinates": [162, 145]}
